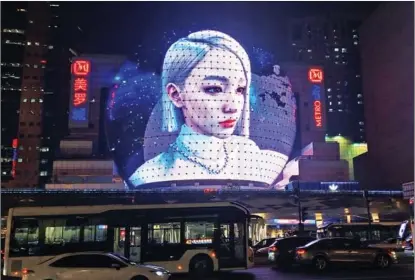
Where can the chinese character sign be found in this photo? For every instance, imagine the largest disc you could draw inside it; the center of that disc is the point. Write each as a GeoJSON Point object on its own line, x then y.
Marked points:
{"type": "Point", "coordinates": [80, 86]}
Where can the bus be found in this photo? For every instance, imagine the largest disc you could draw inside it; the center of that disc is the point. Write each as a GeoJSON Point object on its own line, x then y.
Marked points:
{"type": "Point", "coordinates": [182, 238]}
{"type": "Point", "coordinates": [380, 231]}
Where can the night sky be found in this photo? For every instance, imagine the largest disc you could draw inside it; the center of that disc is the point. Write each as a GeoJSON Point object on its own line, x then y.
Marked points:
{"type": "Point", "coordinates": [147, 27]}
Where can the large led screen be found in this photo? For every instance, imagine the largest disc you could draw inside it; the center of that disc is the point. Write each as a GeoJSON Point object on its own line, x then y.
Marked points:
{"type": "Point", "coordinates": [206, 116]}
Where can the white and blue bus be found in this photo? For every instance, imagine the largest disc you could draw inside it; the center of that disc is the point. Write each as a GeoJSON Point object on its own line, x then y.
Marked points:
{"type": "Point", "coordinates": [178, 237]}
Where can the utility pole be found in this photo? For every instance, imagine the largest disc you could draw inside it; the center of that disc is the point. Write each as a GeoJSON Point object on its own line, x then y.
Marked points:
{"type": "Point", "coordinates": [369, 215]}
{"type": "Point", "coordinates": [297, 200]}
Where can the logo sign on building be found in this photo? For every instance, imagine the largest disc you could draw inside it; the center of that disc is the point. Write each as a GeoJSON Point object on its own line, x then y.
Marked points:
{"type": "Point", "coordinates": [78, 116]}
{"type": "Point", "coordinates": [14, 160]}
{"type": "Point", "coordinates": [315, 77]}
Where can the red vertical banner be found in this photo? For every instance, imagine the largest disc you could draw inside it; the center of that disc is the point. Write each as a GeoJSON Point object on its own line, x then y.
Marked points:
{"type": "Point", "coordinates": [81, 70]}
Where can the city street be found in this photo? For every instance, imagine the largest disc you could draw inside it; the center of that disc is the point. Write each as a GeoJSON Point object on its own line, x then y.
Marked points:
{"type": "Point", "coordinates": [398, 272]}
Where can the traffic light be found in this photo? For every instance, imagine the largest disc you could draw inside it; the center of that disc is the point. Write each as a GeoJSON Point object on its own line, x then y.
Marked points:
{"type": "Point", "coordinates": [304, 214]}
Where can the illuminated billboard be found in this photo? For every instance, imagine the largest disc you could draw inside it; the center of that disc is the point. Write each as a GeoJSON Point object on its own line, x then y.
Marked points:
{"type": "Point", "coordinates": [78, 115]}
{"type": "Point", "coordinates": [315, 77]}
{"type": "Point", "coordinates": [206, 117]}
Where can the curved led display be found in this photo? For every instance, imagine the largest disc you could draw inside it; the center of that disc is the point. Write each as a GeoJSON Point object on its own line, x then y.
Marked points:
{"type": "Point", "coordinates": [206, 117]}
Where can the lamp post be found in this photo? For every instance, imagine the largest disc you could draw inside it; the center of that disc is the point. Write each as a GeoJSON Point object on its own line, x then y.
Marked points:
{"type": "Point", "coordinates": [369, 215]}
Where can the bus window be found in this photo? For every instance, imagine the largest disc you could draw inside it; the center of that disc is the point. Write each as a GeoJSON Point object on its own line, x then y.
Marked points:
{"type": "Point", "coordinates": [24, 237]}
{"type": "Point", "coordinates": [165, 233]}
{"type": "Point", "coordinates": [199, 232]}
{"type": "Point", "coordinates": [56, 232]}
{"type": "Point", "coordinates": [95, 233]}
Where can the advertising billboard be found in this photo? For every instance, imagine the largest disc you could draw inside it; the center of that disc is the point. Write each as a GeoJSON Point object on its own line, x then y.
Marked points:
{"type": "Point", "coordinates": [78, 115]}
{"type": "Point", "coordinates": [206, 117]}
{"type": "Point", "coordinates": [315, 77]}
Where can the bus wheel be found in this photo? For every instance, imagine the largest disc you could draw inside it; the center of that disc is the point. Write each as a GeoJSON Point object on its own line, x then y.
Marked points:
{"type": "Point", "coordinates": [200, 266]}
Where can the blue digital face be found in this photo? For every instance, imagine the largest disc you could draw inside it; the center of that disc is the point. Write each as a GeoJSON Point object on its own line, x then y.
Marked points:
{"type": "Point", "coordinates": [207, 117]}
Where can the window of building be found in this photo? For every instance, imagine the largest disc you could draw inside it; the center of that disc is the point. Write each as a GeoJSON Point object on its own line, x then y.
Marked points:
{"type": "Point", "coordinates": [330, 103]}
{"type": "Point", "coordinates": [43, 161]}
{"type": "Point", "coordinates": [336, 49]}
{"type": "Point", "coordinates": [344, 50]}
{"type": "Point", "coordinates": [44, 149]}
{"type": "Point", "coordinates": [22, 124]}
{"type": "Point", "coordinates": [33, 100]}
{"type": "Point", "coordinates": [297, 32]}
{"type": "Point", "coordinates": [359, 96]}
{"type": "Point", "coordinates": [19, 160]}
{"type": "Point", "coordinates": [359, 102]}
{"type": "Point", "coordinates": [339, 103]}
{"type": "Point", "coordinates": [329, 90]}
{"type": "Point", "coordinates": [361, 123]}
{"type": "Point", "coordinates": [43, 173]}
{"type": "Point", "coordinates": [355, 42]}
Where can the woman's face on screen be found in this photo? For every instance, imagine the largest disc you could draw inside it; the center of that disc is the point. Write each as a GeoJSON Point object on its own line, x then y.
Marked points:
{"type": "Point", "coordinates": [213, 95]}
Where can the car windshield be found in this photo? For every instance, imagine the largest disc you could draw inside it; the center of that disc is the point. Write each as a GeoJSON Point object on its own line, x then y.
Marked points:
{"type": "Point", "coordinates": [124, 259]}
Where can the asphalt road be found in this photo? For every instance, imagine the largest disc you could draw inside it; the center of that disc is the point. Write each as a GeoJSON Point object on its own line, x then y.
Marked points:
{"type": "Point", "coordinates": [397, 272]}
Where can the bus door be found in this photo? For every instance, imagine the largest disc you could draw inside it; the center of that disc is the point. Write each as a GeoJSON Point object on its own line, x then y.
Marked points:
{"type": "Point", "coordinates": [231, 247]}
{"type": "Point", "coordinates": [127, 242]}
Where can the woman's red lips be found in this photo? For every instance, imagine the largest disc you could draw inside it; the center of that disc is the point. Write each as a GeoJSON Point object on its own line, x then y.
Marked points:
{"type": "Point", "coordinates": [228, 123]}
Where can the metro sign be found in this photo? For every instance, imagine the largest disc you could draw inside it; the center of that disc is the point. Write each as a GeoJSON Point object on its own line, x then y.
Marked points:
{"type": "Point", "coordinates": [315, 75]}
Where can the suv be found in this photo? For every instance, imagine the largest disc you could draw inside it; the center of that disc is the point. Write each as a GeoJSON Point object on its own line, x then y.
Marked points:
{"type": "Point", "coordinates": [282, 251]}
{"type": "Point", "coordinates": [326, 251]}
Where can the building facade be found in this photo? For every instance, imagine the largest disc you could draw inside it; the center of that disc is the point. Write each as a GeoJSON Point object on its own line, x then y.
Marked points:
{"type": "Point", "coordinates": [34, 58]}
{"type": "Point", "coordinates": [84, 160]}
{"type": "Point", "coordinates": [332, 41]}
{"type": "Point", "coordinates": [387, 49]}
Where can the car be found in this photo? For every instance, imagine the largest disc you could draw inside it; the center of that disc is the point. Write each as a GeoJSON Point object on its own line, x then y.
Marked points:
{"type": "Point", "coordinates": [281, 253]}
{"type": "Point", "coordinates": [261, 250]}
{"type": "Point", "coordinates": [391, 244]}
{"type": "Point", "coordinates": [331, 251]}
{"type": "Point", "coordinates": [93, 265]}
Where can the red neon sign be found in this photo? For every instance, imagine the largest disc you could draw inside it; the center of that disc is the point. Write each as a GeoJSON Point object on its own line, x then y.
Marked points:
{"type": "Point", "coordinates": [315, 75]}
{"type": "Point", "coordinates": [80, 84]}
{"type": "Point", "coordinates": [317, 113]}
{"type": "Point", "coordinates": [81, 67]}
{"type": "Point", "coordinates": [14, 143]}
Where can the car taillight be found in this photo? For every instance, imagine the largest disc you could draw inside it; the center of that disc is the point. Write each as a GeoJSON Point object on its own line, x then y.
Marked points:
{"type": "Point", "coordinates": [301, 252]}
{"type": "Point", "coordinates": [272, 249]}
{"type": "Point", "coordinates": [26, 271]}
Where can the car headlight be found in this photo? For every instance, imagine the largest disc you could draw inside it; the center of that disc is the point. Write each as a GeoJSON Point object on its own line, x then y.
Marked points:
{"type": "Point", "coordinates": [158, 272]}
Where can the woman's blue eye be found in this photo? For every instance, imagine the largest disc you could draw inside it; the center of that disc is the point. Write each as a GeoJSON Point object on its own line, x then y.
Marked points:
{"type": "Point", "coordinates": [213, 90]}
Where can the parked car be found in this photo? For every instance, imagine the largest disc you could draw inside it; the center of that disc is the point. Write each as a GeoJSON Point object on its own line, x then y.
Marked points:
{"type": "Point", "coordinates": [93, 265]}
{"type": "Point", "coordinates": [331, 251]}
{"type": "Point", "coordinates": [282, 252]}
